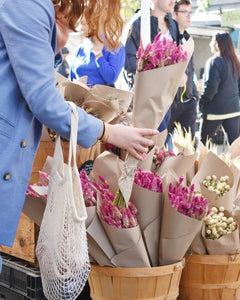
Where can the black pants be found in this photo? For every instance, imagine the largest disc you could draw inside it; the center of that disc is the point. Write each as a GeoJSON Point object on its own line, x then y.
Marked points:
{"type": "Point", "coordinates": [185, 113]}
{"type": "Point", "coordinates": [231, 127]}
{"type": "Point", "coordinates": [85, 294]}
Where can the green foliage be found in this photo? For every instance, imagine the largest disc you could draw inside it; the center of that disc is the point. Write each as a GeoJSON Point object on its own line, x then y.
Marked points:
{"type": "Point", "coordinates": [128, 8]}
{"type": "Point", "coordinates": [203, 5]}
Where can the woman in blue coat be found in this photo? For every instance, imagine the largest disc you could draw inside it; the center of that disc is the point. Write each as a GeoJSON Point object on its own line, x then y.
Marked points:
{"type": "Point", "coordinates": [30, 41]}
{"type": "Point", "coordinates": [219, 103]}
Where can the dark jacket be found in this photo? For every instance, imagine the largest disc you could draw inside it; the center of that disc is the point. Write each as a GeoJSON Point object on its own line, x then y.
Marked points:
{"type": "Point", "coordinates": [221, 88]}
{"type": "Point", "coordinates": [133, 40]}
{"type": "Point", "coordinates": [191, 90]}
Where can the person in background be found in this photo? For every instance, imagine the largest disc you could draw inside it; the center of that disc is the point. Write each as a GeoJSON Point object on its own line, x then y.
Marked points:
{"type": "Point", "coordinates": [184, 107]}
{"type": "Point", "coordinates": [64, 68]}
{"type": "Point", "coordinates": [219, 102]}
{"type": "Point", "coordinates": [161, 21]}
{"type": "Point", "coordinates": [94, 60]}
{"type": "Point", "coordinates": [30, 49]}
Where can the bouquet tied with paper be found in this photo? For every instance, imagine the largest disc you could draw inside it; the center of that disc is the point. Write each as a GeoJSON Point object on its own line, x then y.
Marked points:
{"type": "Point", "coordinates": [161, 65]}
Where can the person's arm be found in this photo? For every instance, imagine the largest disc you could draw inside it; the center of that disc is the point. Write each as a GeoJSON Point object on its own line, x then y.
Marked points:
{"type": "Point", "coordinates": [131, 47]}
{"type": "Point", "coordinates": [31, 49]}
{"type": "Point", "coordinates": [31, 46]}
{"type": "Point", "coordinates": [211, 84]}
{"type": "Point", "coordinates": [110, 66]}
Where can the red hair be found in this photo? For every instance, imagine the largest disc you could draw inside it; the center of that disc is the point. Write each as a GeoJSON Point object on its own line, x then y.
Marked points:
{"type": "Point", "coordinates": [105, 13]}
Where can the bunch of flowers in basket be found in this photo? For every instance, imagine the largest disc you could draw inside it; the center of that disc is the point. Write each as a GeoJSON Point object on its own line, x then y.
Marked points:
{"type": "Point", "coordinates": [148, 180]}
{"type": "Point", "coordinates": [160, 53]}
{"type": "Point", "coordinates": [217, 224]}
{"type": "Point", "coordinates": [186, 201]}
{"type": "Point", "coordinates": [160, 155]}
{"type": "Point", "coordinates": [114, 215]}
{"type": "Point", "coordinates": [220, 232]}
{"type": "Point", "coordinates": [219, 186]}
{"type": "Point", "coordinates": [185, 207]}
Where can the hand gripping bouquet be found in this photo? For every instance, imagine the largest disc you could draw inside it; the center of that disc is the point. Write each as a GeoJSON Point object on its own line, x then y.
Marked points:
{"type": "Point", "coordinates": [160, 67]}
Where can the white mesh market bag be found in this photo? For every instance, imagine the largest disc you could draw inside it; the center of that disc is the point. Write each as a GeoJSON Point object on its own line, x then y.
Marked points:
{"type": "Point", "coordinates": [62, 250]}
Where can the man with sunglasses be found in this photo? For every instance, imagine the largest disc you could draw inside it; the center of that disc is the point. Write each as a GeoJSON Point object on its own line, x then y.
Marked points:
{"type": "Point", "coordinates": [184, 107]}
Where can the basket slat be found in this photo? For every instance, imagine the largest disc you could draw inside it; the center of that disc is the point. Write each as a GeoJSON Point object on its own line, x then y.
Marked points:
{"type": "Point", "coordinates": [211, 277]}
{"type": "Point", "coordinates": [159, 283]}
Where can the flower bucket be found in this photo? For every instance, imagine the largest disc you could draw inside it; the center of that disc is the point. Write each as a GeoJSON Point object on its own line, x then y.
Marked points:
{"type": "Point", "coordinates": [211, 277]}
{"type": "Point", "coordinates": [159, 283]}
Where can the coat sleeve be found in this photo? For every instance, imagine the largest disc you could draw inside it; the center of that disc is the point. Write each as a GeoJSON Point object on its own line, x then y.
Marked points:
{"type": "Point", "coordinates": [30, 44]}
{"type": "Point", "coordinates": [131, 47]}
{"type": "Point", "coordinates": [110, 67]}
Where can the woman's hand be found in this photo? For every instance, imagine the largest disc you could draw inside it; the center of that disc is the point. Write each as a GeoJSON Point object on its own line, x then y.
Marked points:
{"type": "Point", "coordinates": [130, 138]}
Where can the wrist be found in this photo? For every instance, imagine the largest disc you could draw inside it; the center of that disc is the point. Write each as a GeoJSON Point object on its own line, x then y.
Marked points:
{"type": "Point", "coordinates": [104, 136]}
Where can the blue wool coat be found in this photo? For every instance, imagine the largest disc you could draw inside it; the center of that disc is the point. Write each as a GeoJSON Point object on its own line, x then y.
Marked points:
{"type": "Point", "coordinates": [28, 99]}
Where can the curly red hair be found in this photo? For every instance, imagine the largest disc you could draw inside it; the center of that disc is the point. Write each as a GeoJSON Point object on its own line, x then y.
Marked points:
{"type": "Point", "coordinates": [98, 13]}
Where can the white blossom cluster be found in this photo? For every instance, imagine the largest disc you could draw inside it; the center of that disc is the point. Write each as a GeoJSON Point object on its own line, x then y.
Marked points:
{"type": "Point", "coordinates": [217, 224]}
{"type": "Point", "coordinates": [219, 186]}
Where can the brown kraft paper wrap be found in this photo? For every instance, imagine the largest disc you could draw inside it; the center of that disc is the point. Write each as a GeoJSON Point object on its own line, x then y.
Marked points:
{"type": "Point", "coordinates": [128, 245]}
{"type": "Point", "coordinates": [149, 210]}
{"type": "Point", "coordinates": [155, 90]}
{"type": "Point", "coordinates": [226, 244]}
{"type": "Point", "coordinates": [179, 164]}
{"type": "Point", "coordinates": [213, 165]}
{"type": "Point", "coordinates": [124, 97]}
{"type": "Point", "coordinates": [177, 230]}
{"type": "Point", "coordinates": [99, 246]}
{"type": "Point", "coordinates": [109, 166]}
{"type": "Point", "coordinates": [197, 246]}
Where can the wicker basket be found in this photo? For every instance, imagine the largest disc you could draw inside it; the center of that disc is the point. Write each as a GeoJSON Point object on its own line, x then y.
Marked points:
{"type": "Point", "coordinates": [211, 277]}
{"type": "Point", "coordinates": [159, 283]}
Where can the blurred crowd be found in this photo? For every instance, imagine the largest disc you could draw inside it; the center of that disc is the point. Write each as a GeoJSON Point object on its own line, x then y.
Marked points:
{"type": "Point", "coordinates": [203, 106]}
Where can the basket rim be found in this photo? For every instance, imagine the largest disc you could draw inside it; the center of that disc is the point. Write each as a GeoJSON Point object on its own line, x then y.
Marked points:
{"type": "Point", "coordinates": [213, 259]}
{"type": "Point", "coordinates": [137, 272]}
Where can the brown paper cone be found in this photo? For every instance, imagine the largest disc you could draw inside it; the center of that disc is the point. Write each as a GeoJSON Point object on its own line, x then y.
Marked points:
{"type": "Point", "coordinates": [149, 210]}
{"type": "Point", "coordinates": [124, 97]}
{"type": "Point", "coordinates": [105, 110]}
{"type": "Point", "coordinates": [180, 164]}
{"type": "Point", "coordinates": [126, 241]}
{"type": "Point", "coordinates": [212, 164]}
{"type": "Point", "coordinates": [177, 230]}
{"type": "Point", "coordinates": [109, 166]}
{"type": "Point", "coordinates": [177, 234]}
{"type": "Point", "coordinates": [226, 244]}
{"type": "Point", "coordinates": [155, 90]}
{"type": "Point", "coordinates": [99, 245]}
{"type": "Point", "coordinates": [197, 246]}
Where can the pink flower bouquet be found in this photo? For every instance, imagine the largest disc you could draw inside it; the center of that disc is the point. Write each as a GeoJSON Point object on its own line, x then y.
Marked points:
{"type": "Point", "coordinates": [147, 196]}
{"type": "Point", "coordinates": [161, 67]}
{"type": "Point", "coordinates": [183, 212]}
